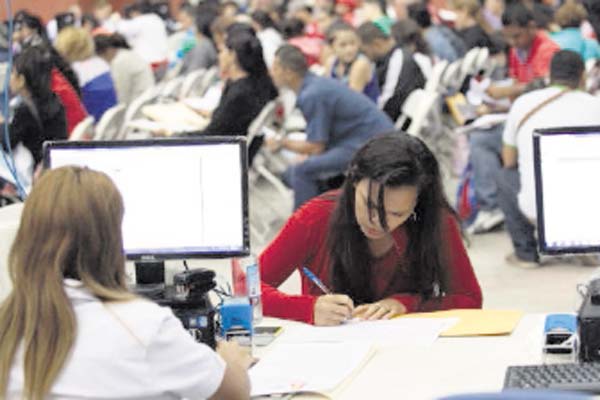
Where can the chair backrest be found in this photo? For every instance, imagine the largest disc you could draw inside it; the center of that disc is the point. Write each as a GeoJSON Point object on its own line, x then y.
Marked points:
{"type": "Point", "coordinates": [450, 75]}
{"type": "Point", "coordinates": [433, 83]}
{"type": "Point", "coordinates": [134, 110]}
{"type": "Point", "coordinates": [172, 87]}
{"type": "Point", "coordinates": [481, 62]}
{"type": "Point", "coordinates": [261, 120]}
{"type": "Point", "coordinates": [109, 126]}
{"type": "Point", "coordinates": [468, 62]}
{"type": "Point", "coordinates": [417, 107]}
{"type": "Point", "coordinates": [191, 82]}
{"type": "Point", "coordinates": [210, 76]}
{"type": "Point", "coordinates": [84, 130]}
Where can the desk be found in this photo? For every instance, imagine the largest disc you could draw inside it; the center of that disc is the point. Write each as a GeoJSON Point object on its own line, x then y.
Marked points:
{"type": "Point", "coordinates": [450, 366]}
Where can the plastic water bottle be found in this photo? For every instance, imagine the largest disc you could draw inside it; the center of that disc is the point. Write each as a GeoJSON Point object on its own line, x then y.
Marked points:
{"type": "Point", "coordinates": [246, 283]}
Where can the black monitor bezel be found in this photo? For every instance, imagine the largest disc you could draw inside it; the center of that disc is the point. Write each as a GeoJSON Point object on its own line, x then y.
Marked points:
{"type": "Point", "coordinates": [192, 140]}
{"type": "Point", "coordinates": [543, 246]}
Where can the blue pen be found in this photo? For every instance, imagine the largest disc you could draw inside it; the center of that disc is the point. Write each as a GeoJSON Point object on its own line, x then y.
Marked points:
{"type": "Point", "coordinates": [315, 280]}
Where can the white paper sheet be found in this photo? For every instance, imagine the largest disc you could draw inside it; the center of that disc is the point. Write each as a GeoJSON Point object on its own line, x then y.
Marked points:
{"type": "Point", "coordinates": [405, 331]}
{"type": "Point", "coordinates": [307, 367]}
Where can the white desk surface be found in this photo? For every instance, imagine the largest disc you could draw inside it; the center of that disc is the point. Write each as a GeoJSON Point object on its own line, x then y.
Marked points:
{"type": "Point", "coordinates": [450, 366]}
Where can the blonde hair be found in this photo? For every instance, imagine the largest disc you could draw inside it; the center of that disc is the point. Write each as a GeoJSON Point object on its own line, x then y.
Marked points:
{"type": "Point", "coordinates": [70, 228]}
{"type": "Point", "coordinates": [570, 15]}
{"type": "Point", "coordinates": [472, 7]}
{"type": "Point", "coordinates": [74, 44]}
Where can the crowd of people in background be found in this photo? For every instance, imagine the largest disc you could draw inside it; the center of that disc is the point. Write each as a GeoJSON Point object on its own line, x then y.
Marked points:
{"type": "Point", "coordinates": [349, 64]}
{"type": "Point", "coordinates": [385, 240]}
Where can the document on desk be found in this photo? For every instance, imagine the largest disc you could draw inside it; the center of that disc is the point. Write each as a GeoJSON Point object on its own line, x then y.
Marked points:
{"type": "Point", "coordinates": [307, 367]}
{"type": "Point", "coordinates": [405, 331]}
{"type": "Point", "coordinates": [474, 322]}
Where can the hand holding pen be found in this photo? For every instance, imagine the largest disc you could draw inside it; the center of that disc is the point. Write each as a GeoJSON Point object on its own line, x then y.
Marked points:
{"type": "Point", "coordinates": [330, 309]}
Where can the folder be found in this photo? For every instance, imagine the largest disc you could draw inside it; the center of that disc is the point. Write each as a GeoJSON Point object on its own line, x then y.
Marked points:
{"type": "Point", "coordinates": [474, 322]}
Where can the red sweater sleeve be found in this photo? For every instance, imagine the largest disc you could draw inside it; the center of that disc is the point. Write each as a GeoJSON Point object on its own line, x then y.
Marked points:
{"type": "Point", "coordinates": [463, 288]}
{"type": "Point", "coordinates": [74, 110]}
{"type": "Point", "coordinates": [293, 247]}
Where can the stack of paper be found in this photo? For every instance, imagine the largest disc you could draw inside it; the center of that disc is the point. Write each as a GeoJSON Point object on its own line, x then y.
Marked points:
{"type": "Point", "coordinates": [307, 367]}
{"type": "Point", "coordinates": [405, 331]}
{"type": "Point", "coordinates": [306, 358]}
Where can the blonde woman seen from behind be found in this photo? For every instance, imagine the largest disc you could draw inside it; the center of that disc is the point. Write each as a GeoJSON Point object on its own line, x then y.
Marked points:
{"type": "Point", "coordinates": [70, 328]}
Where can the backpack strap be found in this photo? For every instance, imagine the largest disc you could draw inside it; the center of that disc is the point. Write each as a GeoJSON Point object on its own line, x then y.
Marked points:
{"type": "Point", "coordinates": [540, 106]}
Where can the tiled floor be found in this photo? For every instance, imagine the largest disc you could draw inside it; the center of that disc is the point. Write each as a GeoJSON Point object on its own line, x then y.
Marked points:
{"type": "Point", "coordinates": [547, 289]}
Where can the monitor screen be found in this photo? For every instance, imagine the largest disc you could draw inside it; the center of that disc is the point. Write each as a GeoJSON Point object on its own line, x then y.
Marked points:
{"type": "Point", "coordinates": [183, 197]}
{"type": "Point", "coordinates": [567, 161]}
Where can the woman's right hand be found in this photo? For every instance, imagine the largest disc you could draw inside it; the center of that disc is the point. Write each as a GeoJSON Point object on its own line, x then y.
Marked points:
{"type": "Point", "coordinates": [233, 353]}
{"type": "Point", "coordinates": [332, 309]}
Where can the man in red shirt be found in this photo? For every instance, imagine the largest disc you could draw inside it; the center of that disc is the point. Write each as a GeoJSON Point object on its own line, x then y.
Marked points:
{"type": "Point", "coordinates": [530, 53]}
{"type": "Point", "coordinates": [528, 60]}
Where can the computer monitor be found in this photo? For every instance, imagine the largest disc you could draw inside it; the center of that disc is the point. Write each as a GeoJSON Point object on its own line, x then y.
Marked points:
{"type": "Point", "coordinates": [183, 197]}
{"type": "Point", "coordinates": [567, 164]}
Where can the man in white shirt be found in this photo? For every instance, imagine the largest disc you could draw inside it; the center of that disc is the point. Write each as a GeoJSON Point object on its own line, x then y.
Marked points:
{"type": "Point", "coordinates": [560, 104]}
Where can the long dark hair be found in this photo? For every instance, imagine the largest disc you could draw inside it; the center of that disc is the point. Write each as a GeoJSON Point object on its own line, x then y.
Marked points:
{"type": "Point", "coordinates": [392, 160]}
{"type": "Point", "coordinates": [41, 39]}
{"type": "Point", "coordinates": [248, 51]}
{"type": "Point", "coordinates": [34, 64]}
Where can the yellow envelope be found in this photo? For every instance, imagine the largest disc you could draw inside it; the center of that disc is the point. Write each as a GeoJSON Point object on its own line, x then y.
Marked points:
{"type": "Point", "coordinates": [473, 322]}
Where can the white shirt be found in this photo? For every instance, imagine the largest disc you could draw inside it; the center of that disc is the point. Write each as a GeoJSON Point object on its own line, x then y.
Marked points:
{"type": "Point", "coordinates": [270, 41]}
{"type": "Point", "coordinates": [129, 350]}
{"type": "Point", "coordinates": [574, 108]}
{"type": "Point", "coordinates": [147, 36]}
{"type": "Point", "coordinates": [89, 69]}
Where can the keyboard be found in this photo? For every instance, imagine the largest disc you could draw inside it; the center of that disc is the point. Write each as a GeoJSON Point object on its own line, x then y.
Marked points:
{"type": "Point", "coordinates": [572, 376]}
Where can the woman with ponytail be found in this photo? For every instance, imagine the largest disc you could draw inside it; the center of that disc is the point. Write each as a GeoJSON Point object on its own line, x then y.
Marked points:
{"type": "Point", "coordinates": [386, 244]}
{"type": "Point", "coordinates": [39, 114]}
{"type": "Point", "coordinates": [71, 329]}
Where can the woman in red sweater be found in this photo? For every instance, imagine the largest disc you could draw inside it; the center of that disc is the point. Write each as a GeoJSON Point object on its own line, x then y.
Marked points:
{"type": "Point", "coordinates": [387, 243]}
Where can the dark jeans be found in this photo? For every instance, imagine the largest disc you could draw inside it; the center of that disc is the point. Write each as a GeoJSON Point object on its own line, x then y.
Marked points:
{"type": "Point", "coordinates": [304, 178]}
{"type": "Point", "coordinates": [485, 157]}
{"type": "Point", "coordinates": [521, 231]}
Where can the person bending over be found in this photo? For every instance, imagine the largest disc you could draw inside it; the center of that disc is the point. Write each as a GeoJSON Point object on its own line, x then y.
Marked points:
{"type": "Point", "coordinates": [386, 244]}
{"type": "Point", "coordinates": [70, 328]}
{"type": "Point", "coordinates": [338, 122]}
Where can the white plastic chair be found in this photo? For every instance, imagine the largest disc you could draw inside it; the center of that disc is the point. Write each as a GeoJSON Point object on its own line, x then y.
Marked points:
{"type": "Point", "coordinates": [259, 170]}
{"type": "Point", "coordinates": [417, 107]}
{"type": "Point", "coordinates": [482, 63]}
{"type": "Point", "coordinates": [134, 110]}
{"type": "Point", "coordinates": [84, 130]}
{"type": "Point", "coordinates": [109, 126]}
{"type": "Point", "coordinates": [435, 79]}
{"type": "Point", "coordinates": [467, 65]}
{"type": "Point", "coordinates": [450, 76]}
{"type": "Point", "coordinates": [191, 82]}
{"type": "Point", "coordinates": [210, 76]}
{"type": "Point", "coordinates": [172, 88]}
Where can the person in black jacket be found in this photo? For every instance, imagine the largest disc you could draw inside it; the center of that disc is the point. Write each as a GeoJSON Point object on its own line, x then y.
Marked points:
{"type": "Point", "coordinates": [397, 71]}
{"type": "Point", "coordinates": [39, 114]}
{"type": "Point", "coordinates": [248, 87]}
